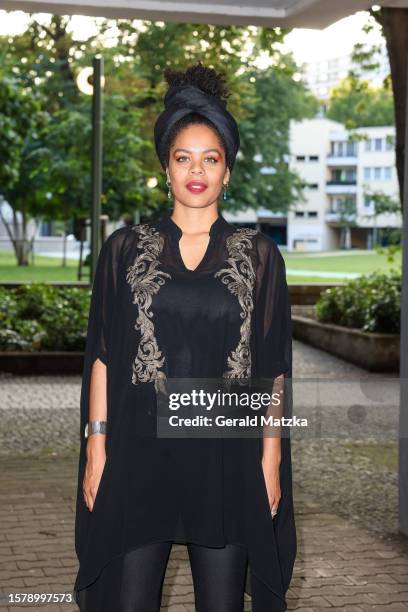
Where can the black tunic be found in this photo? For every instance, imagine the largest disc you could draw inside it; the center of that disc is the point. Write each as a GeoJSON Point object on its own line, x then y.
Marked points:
{"type": "Point", "coordinates": [150, 319]}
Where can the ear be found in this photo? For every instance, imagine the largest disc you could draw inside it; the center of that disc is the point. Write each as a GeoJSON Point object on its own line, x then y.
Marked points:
{"type": "Point", "coordinates": [227, 176]}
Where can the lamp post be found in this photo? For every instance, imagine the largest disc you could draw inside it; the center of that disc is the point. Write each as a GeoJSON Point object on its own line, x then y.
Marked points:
{"type": "Point", "coordinates": [97, 149]}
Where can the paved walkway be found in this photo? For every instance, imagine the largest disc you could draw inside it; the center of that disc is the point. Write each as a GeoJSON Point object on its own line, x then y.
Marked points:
{"type": "Point", "coordinates": [350, 556]}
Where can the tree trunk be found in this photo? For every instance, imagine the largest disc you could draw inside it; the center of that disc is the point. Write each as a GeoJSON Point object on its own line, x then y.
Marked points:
{"type": "Point", "coordinates": [394, 23]}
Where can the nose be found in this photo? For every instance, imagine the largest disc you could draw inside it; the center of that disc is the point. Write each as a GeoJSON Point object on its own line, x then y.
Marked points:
{"type": "Point", "coordinates": [196, 168]}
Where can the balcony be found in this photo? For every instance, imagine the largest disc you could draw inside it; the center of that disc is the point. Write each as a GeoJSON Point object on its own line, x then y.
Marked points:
{"type": "Point", "coordinates": [334, 216]}
{"type": "Point", "coordinates": [337, 186]}
{"type": "Point", "coordinates": [340, 160]}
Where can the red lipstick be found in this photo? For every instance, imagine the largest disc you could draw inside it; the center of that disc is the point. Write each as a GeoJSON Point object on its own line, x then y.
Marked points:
{"type": "Point", "coordinates": [196, 186]}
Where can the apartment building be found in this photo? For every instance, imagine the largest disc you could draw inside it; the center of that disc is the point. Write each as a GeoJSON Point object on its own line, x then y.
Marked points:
{"type": "Point", "coordinates": [344, 174]}
{"type": "Point", "coordinates": [323, 74]}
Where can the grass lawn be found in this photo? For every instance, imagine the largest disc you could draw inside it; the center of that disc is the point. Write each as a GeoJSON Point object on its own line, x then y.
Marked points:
{"type": "Point", "coordinates": [338, 262]}
{"type": "Point", "coordinates": [44, 269]}
{"type": "Point", "coordinates": [360, 262]}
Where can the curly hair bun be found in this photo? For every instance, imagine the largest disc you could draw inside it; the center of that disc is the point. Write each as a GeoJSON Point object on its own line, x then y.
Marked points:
{"type": "Point", "coordinates": [206, 79]}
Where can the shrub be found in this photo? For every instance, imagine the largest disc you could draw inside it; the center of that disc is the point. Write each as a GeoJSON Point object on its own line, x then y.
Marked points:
{"type": "Point", "coordinates": [37, 317]}
{"type": "Point", "coordinates": [370, 303]}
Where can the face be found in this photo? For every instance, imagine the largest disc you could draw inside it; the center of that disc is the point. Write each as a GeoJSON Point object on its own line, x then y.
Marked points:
{"type": "Point", "coordinates": [197, 167]}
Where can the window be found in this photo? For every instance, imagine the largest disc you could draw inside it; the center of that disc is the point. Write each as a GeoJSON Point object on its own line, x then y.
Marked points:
{"type": "Point", "coordinates": [313, 186]}
{"type": "Point", "coordinates": [378, 144]}
{"type": "Point", "coordinates": [378, 173]}
{"type": "Point", "coordinates": [387, 173]}
{"type": "Point", "coordinates": [368, 144]}
{"type": "Point", "coordinates": [312, 213]}
{"type": "Point", "coordinates": [299, 213]}
{"type": "Point", "coordinates": [343, 149]}
{"type": "Point", "coordinates": [333, 206]}
{"type": "Point", "coordinates": [367, 201]}
{"type": "Point", "coordinates": [313, 158]}
{"type": "Point", "coordinates": [300, 158]}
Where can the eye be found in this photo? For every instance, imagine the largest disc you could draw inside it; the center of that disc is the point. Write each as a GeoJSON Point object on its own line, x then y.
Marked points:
{"type": "Point", "coordinates": [213, 159]}
{"type": "Point", "coordinates": [181, 157]}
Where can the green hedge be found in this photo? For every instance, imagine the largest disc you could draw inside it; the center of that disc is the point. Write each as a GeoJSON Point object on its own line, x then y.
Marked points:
{"type": "Point", "coordinates": [370, 303]}
{"type": "Point", "coordinates": [37, 317]}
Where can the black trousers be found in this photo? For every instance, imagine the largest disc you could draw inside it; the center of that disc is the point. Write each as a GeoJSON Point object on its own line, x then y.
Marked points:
{"type": "Point", "coordinates": [134, 582]}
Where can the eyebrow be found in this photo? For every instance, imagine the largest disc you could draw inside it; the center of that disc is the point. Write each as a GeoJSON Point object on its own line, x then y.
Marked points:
{"type": "Point", "coordinates": [188, 151]}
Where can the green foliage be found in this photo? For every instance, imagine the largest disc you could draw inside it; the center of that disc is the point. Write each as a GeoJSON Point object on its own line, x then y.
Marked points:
{"type": "Point", "coordinates": [18, 113]}
{"type": "Point", "coordinates": [37, 317]}
{"type": "Point", "coordinates": [371, 303]}
{"type": "Point", "coordinates": [354, 101]}
{"type": "Point", "coordinates": [51, 172]}
{"type": "Point", "coordinates": [277, 99]}
{"type": "Point", "coordinates": [356, 104]}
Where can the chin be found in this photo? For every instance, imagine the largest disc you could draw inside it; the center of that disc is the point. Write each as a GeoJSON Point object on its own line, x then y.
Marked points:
{"type": "Point", "coordinates": [196, 198]}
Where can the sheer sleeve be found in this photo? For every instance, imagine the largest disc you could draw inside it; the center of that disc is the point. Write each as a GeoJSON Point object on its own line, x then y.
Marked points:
{"type": "Point", "coordinates": [102, 301]}
{"type": "Point", "coordinates": [273, 312]}
{"type": "Point", "coordinates": [101, 314]}
{"type": "Point", "coordinates": [101, 317]}
{"type": "Point", "coordinates": [274, 357]}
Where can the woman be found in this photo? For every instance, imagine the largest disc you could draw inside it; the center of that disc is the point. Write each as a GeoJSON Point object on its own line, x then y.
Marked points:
{"type": "Point", "coordinates": [188, 296]}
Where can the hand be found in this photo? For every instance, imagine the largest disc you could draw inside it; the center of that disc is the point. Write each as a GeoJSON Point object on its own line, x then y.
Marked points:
{"type": "Point", "coordinates": [93, 473]}
{"type": "Point", "coordinates": [272, 481]}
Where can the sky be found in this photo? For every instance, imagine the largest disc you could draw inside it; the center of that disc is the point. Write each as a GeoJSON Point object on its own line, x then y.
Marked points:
{"type": "Point", "coordinates": [306, 44]}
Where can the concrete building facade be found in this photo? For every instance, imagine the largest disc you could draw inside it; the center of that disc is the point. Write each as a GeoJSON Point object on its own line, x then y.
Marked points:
{"type": "Point", "coordinates": [344, 174]}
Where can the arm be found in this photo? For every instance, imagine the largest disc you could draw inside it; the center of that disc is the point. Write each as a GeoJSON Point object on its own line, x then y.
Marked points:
{"type": "Point", "coordinates": [95, 447]}
{"type": "Point", "coordinates": [274, 339]}
{"type": "Point", "coordinates": [94, 403]}
{"type": "Point", "coordinates": [271, 456]}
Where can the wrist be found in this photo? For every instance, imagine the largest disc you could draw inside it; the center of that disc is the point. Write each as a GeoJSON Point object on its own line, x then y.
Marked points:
{"type": "Point", "coordinates": [95, 446]}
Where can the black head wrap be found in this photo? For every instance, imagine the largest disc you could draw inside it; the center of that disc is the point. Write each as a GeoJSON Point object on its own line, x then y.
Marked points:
{"type": "Point", "coordinates": [183, 99]}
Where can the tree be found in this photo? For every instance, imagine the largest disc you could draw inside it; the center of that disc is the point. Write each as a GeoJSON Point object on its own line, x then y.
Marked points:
{"type": "Point", "coordinates": [20, 119]}
{"type": "Point", "coordinates": [45, 60]}
{"type": "Point", "coordinates": [394, 23]}
{"type": "Point", "coordinates": [355, 103]}
{"type": "Point", "coordinates": [264, 176]}
{"type": "Point", "coordinates": [382, 203]}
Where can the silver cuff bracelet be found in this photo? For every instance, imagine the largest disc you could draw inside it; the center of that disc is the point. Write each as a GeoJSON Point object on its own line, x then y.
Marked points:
{"type": "Point", "coordinates": [95, 427]}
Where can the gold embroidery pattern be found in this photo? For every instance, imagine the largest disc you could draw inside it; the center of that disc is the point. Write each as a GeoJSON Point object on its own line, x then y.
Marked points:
{"type": "Point", "coordinates": [240, 278]}
{"type": "Point", "coordinates": [145, 280]}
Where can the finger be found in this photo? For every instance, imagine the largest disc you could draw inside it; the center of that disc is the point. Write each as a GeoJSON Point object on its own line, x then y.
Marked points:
{"type": "Point", "coordinates": [91, 500]}
{"type": "Point", "coordinates": [275, 504]}
{"type": "Point", "coordinates": [88, 499]}
{"type": "Point", "coordinates": [273, 500]}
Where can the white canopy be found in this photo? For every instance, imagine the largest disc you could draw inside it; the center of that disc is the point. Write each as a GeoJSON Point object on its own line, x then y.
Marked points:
{"type": "Point", "coordinates": [284, 13]}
